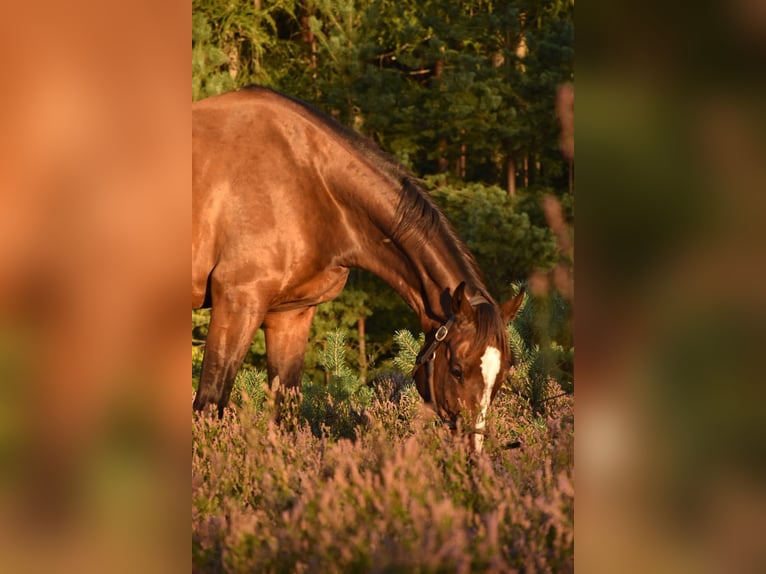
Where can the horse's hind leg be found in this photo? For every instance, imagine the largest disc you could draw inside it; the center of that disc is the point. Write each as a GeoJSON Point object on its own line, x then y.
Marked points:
{"type": "Point", "coordinates": [231, 331]}
{"type": "Point", "coordinates": [287, 334]}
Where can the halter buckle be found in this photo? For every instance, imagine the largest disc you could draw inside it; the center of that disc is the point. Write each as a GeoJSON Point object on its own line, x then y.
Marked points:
{"type": "Point", "coordinates": [427, 354]}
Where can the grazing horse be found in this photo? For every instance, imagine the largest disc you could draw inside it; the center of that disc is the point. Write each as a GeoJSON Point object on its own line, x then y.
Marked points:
{"type": "Point", "coordinates": [284, 201]}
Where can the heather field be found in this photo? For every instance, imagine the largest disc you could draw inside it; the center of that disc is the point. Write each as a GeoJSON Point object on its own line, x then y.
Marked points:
{"type": "Point", "coordinates": [366, 481]}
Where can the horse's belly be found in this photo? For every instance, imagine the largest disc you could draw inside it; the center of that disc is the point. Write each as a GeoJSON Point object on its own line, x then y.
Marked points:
{"type": "Point", "coordinates": [322, 287]}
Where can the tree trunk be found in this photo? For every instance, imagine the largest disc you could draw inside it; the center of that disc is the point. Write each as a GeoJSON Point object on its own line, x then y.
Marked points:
{"type": "Point", "coordinates": [511, 167]}
{"type": "Point", "coordinates": [442, 146]}
{"type": "Point", "coordinates": [538, 171]}
{"type": "Point", "coordinates": [443, 161]}
{"type": "Point", "coordinates": [310, 39]}
{"type": "Point", "coordinates": [526, 170]}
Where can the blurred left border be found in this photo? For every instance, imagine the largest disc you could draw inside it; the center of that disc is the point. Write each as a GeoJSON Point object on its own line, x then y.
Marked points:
{"type": "Point", "coordinates": [95, 168]}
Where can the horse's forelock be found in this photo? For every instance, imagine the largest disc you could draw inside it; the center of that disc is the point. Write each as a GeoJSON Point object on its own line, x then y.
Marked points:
{"type": "Point", "coordinates": [490, 330]}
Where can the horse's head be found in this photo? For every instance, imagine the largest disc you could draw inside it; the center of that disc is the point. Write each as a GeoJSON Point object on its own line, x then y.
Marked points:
{"type": "Point", "coordinates": [465, 361]}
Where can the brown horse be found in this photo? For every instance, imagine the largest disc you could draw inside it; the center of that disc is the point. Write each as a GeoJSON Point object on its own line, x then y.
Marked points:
{"type": "Point", "coordinates": [284, 201]}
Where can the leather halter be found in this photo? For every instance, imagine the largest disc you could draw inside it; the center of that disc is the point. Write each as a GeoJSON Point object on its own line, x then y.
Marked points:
{"type": "Point", "coordinates": [428, 354]}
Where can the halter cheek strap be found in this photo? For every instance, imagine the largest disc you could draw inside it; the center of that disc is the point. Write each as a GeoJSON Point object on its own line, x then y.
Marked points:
{"type": "Point", "coordinates": [430, 376]}
{"type": "Point", "coordinates": [427, 354]}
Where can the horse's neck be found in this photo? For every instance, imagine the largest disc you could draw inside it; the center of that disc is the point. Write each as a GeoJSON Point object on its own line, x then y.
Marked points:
{"type": "Point", "coordinates": [421, 270]}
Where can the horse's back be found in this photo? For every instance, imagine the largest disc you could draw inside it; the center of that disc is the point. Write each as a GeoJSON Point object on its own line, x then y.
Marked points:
{"type": "Point", "coordinates": [250, 138]}
{"type": "Point", "coordinates": [228, 116]}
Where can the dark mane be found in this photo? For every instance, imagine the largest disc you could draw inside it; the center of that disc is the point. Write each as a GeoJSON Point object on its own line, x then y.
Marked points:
{"type": "Point", "coordinates": [416, 213]}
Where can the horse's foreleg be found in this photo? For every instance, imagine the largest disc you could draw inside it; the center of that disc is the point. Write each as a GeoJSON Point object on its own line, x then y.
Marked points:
{"type": "Point", "coordinates": [229, 337]}
{"type": "Point", "coordinates": [287, 334]}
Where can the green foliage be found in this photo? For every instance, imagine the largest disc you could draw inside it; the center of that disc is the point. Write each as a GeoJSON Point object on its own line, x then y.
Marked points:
{"type": "Point", "coordinates": [505, 242]}
{"type": "Point", "coordinates": [342, 315]}
{"type": "Point", "coordinates": [334, 360]}
{"type": "Point", "coordinates": [209, 76]}
{"type": "Point", "coordinates": [197, 354]}
{"type": "Point", "coordinates": [251, 387]}
{"type": "Point", "coordinates": [200, 320]}
{"type": "Point", "coordinates": [409, 347]}
{"type": "Point", "coordinates": [454, 72]}
{"type": "Point", "coordinates": [239, 42]}
{"type": "Point", "coordinates": [335, 406]}
{"type": "Point", "coordinates": [543, 367]}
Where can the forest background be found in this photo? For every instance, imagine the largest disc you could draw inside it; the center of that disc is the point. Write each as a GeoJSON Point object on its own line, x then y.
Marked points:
{"type": "Point", "coordinates": [463, 94]}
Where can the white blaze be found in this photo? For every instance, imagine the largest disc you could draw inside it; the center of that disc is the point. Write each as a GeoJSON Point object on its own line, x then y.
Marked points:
{"type": "Point", "coordinates": [490, 367]}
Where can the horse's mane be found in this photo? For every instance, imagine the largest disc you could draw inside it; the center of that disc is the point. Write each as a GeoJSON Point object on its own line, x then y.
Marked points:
{"type": "Point", "coordinates": [417, 214]}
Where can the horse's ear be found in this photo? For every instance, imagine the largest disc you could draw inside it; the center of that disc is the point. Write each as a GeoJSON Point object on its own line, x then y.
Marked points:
{"type": "Point", "coordinates": [460, 303]}
{"type": "Point", "coordinates": [512, 306]}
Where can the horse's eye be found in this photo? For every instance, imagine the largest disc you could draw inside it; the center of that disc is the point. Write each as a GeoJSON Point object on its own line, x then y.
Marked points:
{"type": "Point", "coordinates": [457, 373]}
